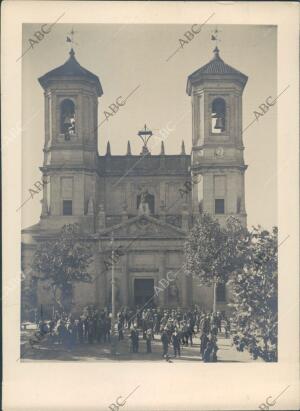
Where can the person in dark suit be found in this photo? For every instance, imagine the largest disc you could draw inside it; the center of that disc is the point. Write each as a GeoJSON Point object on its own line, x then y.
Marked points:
{"type": "Point", "coordinates": [207, 352]}
{"type": "Point", "coordinates": [80, 327]}
{"type": "Point", "coordinates": [203, 343]}
{"type": "Point", "coordinates": [148, 340]}
{"type": "Point", "coordinates": [165, 341]}
{"type": "Point", "coordinates": [107, 327]}
{"type": "Point", "coordinates": [90, 330]}
{"type": "Point", "coordinates": [120, 330]}
{"type": "Point", "coordinates": [134, 336]}
{"type": "Point", "coordinates": [86, 327]}
{"type": "Point", "coordinates": [99, 329]}
{"type": "Point", "coordinates": [176, 343]}
{"type": "Point", "coordinates": [190, 332]}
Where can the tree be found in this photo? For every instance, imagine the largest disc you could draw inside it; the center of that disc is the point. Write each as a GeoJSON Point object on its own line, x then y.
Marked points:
{"type": "Point", "coordinates": [255, 294]}
{"type": "Point", "coordinates": [210, 250]}
{"type": "Point", "coordinates": [62, 262]}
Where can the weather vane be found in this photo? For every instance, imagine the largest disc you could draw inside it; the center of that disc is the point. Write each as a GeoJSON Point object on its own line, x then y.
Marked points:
{"type": "Point", "coordinates": [70, 37]}
{"type": "Point", "coordinates": [215, 36]}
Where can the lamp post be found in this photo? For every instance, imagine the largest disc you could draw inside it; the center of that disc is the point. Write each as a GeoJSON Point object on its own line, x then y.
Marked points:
{"type": "Point", "coordinates": [113, 302]}
{"type": "Point", "coordinates": [215, 295]}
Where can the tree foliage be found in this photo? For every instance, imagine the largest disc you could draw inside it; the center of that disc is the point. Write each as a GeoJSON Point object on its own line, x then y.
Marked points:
{"type": "Point", "coordinates": [210, 249]}
{"type": "Point", "coordinates": [256, 290]}
{"type": "Point", "coordinates": [62, 262]}
{"type": "Point", "coordinates": [248, 262]}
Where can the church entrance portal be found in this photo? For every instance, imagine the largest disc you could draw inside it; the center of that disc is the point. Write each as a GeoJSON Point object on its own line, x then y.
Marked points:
{"type": "Point", "coordinates": [144, 291]}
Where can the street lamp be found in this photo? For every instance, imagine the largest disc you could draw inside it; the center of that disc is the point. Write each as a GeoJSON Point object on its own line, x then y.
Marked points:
{"type": "Point", "coordinates": [215, 294]}
{"type": "Point", "coordinates": [113, 302]}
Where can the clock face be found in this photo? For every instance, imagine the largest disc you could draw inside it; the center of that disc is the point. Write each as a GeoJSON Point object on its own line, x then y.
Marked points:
{"type": "Point", "coordinates": [219, 152]}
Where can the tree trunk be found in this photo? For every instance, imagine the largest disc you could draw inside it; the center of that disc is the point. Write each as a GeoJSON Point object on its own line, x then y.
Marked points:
{"type": "Point", "coordinates": [57, 299]}
{"type": "Point", "coordinates": [66, 297]}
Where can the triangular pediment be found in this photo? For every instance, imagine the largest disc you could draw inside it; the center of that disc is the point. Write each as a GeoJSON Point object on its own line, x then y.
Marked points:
{"type": "Point", "coordinates": [143, 226]}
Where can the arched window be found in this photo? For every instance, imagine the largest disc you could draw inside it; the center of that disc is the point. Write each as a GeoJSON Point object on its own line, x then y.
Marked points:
{"type": "Point", "coordinates": [218, 116]}
{"type": "Point", "coordinates": [67, 118]}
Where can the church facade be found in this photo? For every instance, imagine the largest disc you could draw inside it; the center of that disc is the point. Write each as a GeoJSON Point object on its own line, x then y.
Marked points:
{"type": "Point", "coordinates": [146, 203]}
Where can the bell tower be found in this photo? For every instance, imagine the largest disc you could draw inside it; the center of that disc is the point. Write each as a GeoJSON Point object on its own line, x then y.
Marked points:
{"type": "Point", "coordinates": [217, 143]}
{"type": "Point", "coordinates": [70, 151]}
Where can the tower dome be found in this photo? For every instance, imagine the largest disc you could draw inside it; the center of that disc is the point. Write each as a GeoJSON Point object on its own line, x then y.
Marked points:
{"type": "Point", "coordinates": [71, 69]}
{"type": "Point", "coordinates": [215, 68]}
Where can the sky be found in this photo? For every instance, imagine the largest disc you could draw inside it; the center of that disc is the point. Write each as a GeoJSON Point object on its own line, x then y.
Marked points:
{"type": "Point", "coordinates": [126, 57]}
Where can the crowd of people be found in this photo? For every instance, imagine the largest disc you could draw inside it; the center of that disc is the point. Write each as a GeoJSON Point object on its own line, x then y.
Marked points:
{"type": "Point", "coordinates": [175, 328]}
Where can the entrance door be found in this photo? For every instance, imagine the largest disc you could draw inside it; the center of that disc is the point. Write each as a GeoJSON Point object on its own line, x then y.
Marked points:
{"type": "Point", "coordinates": [144, 291]}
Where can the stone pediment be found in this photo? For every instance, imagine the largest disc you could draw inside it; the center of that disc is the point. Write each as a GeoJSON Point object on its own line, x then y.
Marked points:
{"type": "Point", "coordinates": [143, 226]}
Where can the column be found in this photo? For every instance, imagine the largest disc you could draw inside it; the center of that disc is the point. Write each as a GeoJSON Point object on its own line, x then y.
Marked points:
{"type": "Point", "coordinates": [185, 218]}
{"type": "Point", "coordinates": [44, 200]}
{"type": "Point", "coordinates": [101, 283]}
{"type": "Point", "coordinates": [161, 275]}
{"type": "Point", "coordinates": [124, 280]}
{"type": "Point", "coordinates": [55, 205]}
{"type": "Point", "coordinates": [78, 198]}
{"type": "Point", "coordinates": [195, 201]}
{"type": "Point", "coordinates": [184, 290]}
{"type": "Point", "coordinates": [47, 120]}
{"type": "Point", "coordinates": [243, 208]}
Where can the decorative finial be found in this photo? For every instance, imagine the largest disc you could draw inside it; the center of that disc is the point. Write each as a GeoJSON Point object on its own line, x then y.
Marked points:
{"type": "Point", "coordinates": [72, 52]}
{"type": "Point", "coordinates": [182, 148]}
{"type": "Point", "coordinates": [128, 149]}
{"type": "Point", "coordinates": [216, 53]}
{"type": "Point", "coordinates": [162, 149]}
{"type": "Point", "coordinates": [108, 153]}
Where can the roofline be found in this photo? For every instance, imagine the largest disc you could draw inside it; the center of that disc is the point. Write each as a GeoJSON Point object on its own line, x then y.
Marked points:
{"type": "Point", "coordinates": [240, 79]}
{"type": "Point", "coordinates": [45, 81]}
{"type": "Point", "coordinates": [141, 155]}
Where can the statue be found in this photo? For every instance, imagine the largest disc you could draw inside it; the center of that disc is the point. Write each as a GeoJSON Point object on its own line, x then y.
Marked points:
{"type": "Point", "coordinates": [144, 203]}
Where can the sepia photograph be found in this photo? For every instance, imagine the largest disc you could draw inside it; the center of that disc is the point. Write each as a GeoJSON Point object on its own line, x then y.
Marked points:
{"type": "Point", "coordinates": [142, 247]}
{"type": "Point", "coordinates": [151, 226]}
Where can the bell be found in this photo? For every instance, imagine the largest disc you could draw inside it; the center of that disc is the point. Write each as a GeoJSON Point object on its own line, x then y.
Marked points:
{"type": "Point", "coordinates": [219, 123]}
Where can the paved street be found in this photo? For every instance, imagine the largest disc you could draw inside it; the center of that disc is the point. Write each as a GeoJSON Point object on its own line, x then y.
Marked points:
{"type": "Point", "coordinates": [101, 352]}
